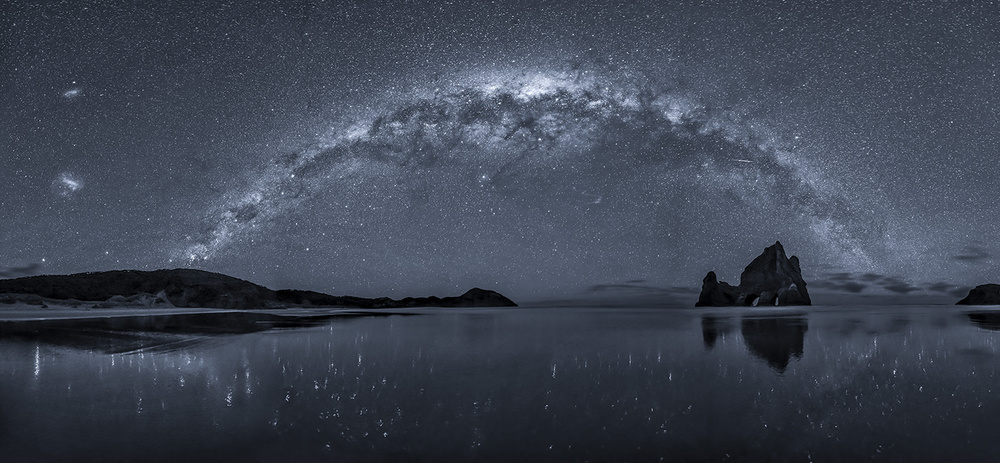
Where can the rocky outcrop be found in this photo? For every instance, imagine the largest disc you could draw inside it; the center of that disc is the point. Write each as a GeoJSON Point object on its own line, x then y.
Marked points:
{"type": "Point", "coordinates": [982, 295]}
{"type": "Point", "coordinates": [770, 279]}
{"type": "Point", "coordinates": [716, 294]}
{"type": "Point", "coordinates": [773, 279]}
{"type": "Point", "coordinates": [198, 288]}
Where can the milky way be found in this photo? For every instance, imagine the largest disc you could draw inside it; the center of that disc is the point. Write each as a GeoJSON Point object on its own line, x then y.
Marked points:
{"type": "Point", "coordinates": [500, 128]}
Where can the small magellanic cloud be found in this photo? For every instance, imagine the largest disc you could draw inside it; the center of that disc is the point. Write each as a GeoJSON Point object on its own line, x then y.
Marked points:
{"type": "Point", "coordinates": [73, 93]}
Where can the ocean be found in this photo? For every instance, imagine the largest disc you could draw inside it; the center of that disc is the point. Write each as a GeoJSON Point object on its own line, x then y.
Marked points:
{"type": "Point", "coordinates": [883, 383]}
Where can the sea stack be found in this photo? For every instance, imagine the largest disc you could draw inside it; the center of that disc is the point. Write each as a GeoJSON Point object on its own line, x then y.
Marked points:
{"type": "Point", "coordinates": [715, 294]}
{"type": "Point", "coordinates": [982, 295]}
{"type": "Point", "coordinates": [771, 279]}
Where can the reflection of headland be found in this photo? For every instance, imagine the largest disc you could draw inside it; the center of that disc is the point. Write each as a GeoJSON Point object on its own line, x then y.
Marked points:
{"type": "Point", "coordinates": [162, 332]}
{"type": "Point", "coordinates": [773, 339]}
{"type": "Point", "coordinates": [985, 320]}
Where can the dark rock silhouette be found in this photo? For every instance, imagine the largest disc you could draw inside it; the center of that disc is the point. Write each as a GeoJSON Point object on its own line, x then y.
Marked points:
{"type": "Point", "coordinates": [775, 339]}
{"type": "Point", "coordinates": [714, 293]}
{"type": "Point", "coordinates": [300, 298]}
{"type": "Point", "coordinates": [474, 297]}
{"type": "Point", "coordinates": [982, 295]}
{"type": "Point", "coordinates": [198, 288]}
{"type": "Point", "coordinates": [770, 279]}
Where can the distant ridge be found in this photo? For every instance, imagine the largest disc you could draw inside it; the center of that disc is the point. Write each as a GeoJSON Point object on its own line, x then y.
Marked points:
{"type": "Point", "coordinates": [199, 288]}
{"type": "Point", "coordinates": [988, 294]}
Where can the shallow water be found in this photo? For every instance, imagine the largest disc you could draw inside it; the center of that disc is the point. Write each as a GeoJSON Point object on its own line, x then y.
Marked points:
{"type": "Point", "coordinates": [809, 384]}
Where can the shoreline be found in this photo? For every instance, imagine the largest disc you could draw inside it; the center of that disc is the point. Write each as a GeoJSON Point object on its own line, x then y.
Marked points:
{"type": "Point", "coordinates": [25, 312]}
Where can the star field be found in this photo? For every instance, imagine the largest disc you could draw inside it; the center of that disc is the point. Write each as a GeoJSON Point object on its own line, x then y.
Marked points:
{"type": "Point", "coordinates": [537, 149]}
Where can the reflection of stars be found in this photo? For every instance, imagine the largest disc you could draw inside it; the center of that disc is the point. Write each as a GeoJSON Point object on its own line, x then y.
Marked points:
{"type": "Point", "coordinates": [67, 184]}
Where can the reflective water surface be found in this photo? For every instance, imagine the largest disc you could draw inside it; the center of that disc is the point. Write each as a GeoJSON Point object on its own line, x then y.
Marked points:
{"type": "Point", "coordinates": [806, 384]}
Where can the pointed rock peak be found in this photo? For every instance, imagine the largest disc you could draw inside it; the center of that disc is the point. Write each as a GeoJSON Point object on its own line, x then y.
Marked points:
{"type": "Point", "coordinates": [794, 262]}
{"type": "Point", "coordinates": [775, 248]}
{"type": "Point", "coordinates": [710, 278]}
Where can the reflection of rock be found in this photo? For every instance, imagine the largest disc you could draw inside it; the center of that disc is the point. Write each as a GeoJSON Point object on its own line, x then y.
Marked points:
{"type": "Point", "coordinates": [713, 328]}
{"type": "Point", "coordinates": [982, 295]}
{"type": "Point", "coordinates": [775, 340]}
{"type": "Point", "coordinates": [985, 320]}
{"type": "Point", "coordinates": [770, 279]}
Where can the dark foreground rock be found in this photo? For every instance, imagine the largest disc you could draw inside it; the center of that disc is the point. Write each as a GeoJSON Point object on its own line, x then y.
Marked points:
{"type": "Point", "coordinates": [198, 288]}
{"type": "Point", "coordinates": [716, 294]}
{"type": "Point", "coordinates": [982, 295]}
{"type": "Point", "coordinates": [770, 279]}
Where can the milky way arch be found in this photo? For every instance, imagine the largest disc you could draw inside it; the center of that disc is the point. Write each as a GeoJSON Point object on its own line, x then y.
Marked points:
{"type": "Point", "coordinates": [504, 127]}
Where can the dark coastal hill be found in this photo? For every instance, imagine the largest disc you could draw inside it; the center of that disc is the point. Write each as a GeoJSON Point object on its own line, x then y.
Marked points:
{"type": "Point", "coordinates": [198, 288]}
{"type": "Point", "coordinates": [982, 295]}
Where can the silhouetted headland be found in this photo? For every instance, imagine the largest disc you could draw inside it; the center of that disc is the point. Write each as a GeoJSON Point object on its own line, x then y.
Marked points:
{"type": "Point", "coordinates": [771, 279]}
{"type": "Point", "coordinates": [198, 288]}
{"type": "Point", "coordinates": [982, 295]}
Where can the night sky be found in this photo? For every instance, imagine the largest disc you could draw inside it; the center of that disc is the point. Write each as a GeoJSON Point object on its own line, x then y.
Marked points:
{"type": "Point", "coordinates": [543, 149]}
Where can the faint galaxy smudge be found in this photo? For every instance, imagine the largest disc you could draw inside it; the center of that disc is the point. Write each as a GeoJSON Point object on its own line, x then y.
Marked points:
{"type": "Point", "coordinates": [67, 185]}
{"type": "Point", "coordinates": [72, 93]}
